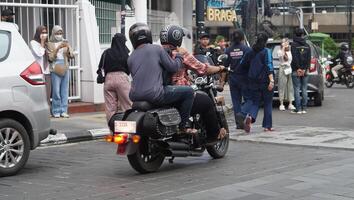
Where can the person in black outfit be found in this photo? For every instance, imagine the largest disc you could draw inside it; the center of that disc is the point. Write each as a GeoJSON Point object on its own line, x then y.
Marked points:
{"type": "Point", "coordinates": [300, 64]}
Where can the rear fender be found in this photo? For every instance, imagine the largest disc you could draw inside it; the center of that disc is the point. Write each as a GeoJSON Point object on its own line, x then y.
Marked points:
{"type": "Point", "coordinates": [130, 147]}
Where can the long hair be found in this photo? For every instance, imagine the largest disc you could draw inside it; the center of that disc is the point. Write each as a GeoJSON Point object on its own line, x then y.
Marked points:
{"type": "Point", "coordinates": [283, 41]}
{"type": "Point", "coordinates": [261, 42]}
{"type": "Point", "coordinates": [37, 35]}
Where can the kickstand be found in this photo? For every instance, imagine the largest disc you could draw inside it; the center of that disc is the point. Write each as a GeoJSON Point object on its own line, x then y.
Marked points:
{"type": "Point", "coordinates": [171, 160]}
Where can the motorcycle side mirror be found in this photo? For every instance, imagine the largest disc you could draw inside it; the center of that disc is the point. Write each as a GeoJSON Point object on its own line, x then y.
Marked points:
{"type": "Point", "coordinates": [222, 58]}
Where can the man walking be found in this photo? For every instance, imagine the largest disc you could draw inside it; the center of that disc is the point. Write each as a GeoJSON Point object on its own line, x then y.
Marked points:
{"type": "Point", "coordinates": [300, 64]}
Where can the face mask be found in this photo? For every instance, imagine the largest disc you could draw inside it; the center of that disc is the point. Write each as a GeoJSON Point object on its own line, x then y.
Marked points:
{"type": "Point", "coordinates": [44, 36]}
{"type": "Point", "coordinates": [58, 37]}
{"type": "Point", "coordinates": [10, 19]}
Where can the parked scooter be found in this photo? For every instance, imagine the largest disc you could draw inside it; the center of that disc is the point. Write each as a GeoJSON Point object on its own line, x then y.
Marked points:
{"type": "Point", "coordinates": [147, 134]}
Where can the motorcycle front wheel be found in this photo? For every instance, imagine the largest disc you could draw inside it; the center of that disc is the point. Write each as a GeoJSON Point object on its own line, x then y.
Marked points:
{"type": "Point", "coordinates": [349, 81]}
{"type": "Point", "coordinates": [146, 160]}
{"type": "Point", "coordinates": [219, 150]}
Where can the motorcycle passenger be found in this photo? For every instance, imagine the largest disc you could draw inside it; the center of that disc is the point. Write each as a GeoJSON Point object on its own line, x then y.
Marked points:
{"type": "Point", "coordinates": [260, 83]}
{"type": "Point", "coordinates": [344, 50]}
{"type": "Point", "coordinates": [238, 78]}
{"type": "Point", "coordinates": [171, 39]}
{"type": "Point", "coordinates": [147, 63]}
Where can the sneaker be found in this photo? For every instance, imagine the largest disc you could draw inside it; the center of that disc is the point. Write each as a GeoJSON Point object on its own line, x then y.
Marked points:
{"type": "Point", "coordinates": [247, 124]}
{"type": "Point", "coordinates": [56, 116]}
{"type": "Point", "coordinates": [303, 111]}
{"type": "Point", "coordinates": [291, 107]}
{"type": "Point", "coordinates": [296, 111]}
{"type": "Point", "coordinates": [65, 115]}
{"type": "Point", "coordinates": [281, 107]}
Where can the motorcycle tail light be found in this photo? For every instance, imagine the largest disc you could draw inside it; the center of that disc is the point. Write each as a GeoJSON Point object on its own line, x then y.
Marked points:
{"type": "Point", "coordinates": [121, 138]}
{"type": "Point", "coordinates": [136, 139]}
{"type": "Point", "coordinates": [328, 76]}
{"type": "Point", "coordinates": [353, 68]}
{"type": "Point", "coordinates": [108, 138]}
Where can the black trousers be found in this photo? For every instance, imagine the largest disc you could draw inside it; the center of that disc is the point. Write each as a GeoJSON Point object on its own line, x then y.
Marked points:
{"type": "Point", "coordinates": [204, 106]}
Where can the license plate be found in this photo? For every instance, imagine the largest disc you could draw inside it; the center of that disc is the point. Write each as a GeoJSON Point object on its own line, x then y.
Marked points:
{"type": "Point", "coordinates": [125, 126]}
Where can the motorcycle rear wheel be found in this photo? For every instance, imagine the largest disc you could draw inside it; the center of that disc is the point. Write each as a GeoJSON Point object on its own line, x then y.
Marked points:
{"type": "Point", "coordinates": [144, 161]}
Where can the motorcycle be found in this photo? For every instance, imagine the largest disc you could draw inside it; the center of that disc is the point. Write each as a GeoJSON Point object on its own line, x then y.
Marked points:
{"type": "Point", "coordinates": [147, 134]}
{"type": "Point", "coordinates": [345, 75]}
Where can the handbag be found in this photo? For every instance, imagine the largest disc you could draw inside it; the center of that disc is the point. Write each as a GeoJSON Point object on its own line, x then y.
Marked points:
{"type": "Point", "coordinates": [100, 72]}
{"type": "Point", "coordinates": [287, 70]}
{"type": "Point", "coordinates": [60, 69]}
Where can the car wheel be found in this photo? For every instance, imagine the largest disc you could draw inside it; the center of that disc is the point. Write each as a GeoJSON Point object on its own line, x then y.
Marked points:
{"type": "Point", "coordinates": [318, 99]}
{"type": "Point", "coordinates": [14, 147]}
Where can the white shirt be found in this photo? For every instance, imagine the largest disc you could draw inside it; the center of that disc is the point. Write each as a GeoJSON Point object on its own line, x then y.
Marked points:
{"type": "Point", "coordinates": [281, 58]}
{"type": "Point", "coordinates": [39, 52]}
{"type": "Point", "coordinates": [60, 54]}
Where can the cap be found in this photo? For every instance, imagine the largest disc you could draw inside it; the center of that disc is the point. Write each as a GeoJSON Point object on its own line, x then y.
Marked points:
{"type": "Point", "coordinates": [203, 35]}
{"type": "Point", "coordinates": [7, 12]}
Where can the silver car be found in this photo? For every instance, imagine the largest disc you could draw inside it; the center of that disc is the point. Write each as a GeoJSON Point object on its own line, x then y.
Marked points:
{"type": "Point", "coordinates": [24, 111]}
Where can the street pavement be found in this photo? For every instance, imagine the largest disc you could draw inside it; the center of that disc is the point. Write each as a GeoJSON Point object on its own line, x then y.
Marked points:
{"type": "Point", "coordinates": [250, 171]}
{"type": "Point", "coordinates": [330, 125]}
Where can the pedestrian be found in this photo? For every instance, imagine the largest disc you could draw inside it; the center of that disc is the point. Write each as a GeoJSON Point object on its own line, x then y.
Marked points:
{"type": "Point", "coordinates": [300, 64]}
{"type": "Point", "coordinates": [59, 53]}
{"type": "Point", "coordinates": [220, 43]}
{"type": "Point", "coordinates": [8, 15]}
{"type": "Point", "coordinates": [285, 82]}
{"type": "Point", "coordinates": [116, 85]}
{"type": "Point", "coordinates": [260, 84]}
{"type": "Point", "coordinates": [238, 78]}
{"type": "Point", "coordinates": [38, 47]}
{"type": "Point", "coordinates": [202, 46]}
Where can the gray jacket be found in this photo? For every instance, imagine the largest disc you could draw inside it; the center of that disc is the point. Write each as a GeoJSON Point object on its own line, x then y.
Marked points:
{"type": "Point", "coordinates": [146, 65]}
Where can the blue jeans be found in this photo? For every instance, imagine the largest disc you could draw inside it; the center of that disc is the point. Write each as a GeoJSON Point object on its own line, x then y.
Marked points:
{"type": "Point", "coordinates": [300, 83]}
{"type": "Point", "coordinates": [60, 93]}
{"type": "Point", "coordinates": [182, 98]}
{"type": "Point", "coordinates": [252, 104]}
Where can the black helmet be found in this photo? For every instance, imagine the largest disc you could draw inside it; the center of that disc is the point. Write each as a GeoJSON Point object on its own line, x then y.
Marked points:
{"type": "Point", "coordinates": [140, 33]}
{"type": "Point", "coordinates": [344, 47]}
{"type": "Point", "coordinates": [173, 35]}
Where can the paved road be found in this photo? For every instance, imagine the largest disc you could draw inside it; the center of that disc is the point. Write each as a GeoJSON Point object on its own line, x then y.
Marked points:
{"type": "Point", "coordinates": [91, 170]}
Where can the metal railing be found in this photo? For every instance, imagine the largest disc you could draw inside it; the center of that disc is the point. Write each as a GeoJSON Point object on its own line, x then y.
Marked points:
{"type": "Point", "coordinates": [29, 14]}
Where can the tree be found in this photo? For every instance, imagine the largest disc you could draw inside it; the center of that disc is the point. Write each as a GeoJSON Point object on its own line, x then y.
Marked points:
{"type": "Point", "coordinates": [330, 46]}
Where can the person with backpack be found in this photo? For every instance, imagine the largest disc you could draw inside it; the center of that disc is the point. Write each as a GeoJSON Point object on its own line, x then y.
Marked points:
{"type": "Point", "coordinates": [260, 84]}
{"type": "Point", "coordinates": [300, 64]}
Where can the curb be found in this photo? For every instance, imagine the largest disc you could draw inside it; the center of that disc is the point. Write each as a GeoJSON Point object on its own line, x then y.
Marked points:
{"type": "Point", "coordinates": [75, 136]}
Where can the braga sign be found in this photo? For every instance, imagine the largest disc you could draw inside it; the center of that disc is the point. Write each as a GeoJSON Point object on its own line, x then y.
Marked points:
{"type": "Point", "coordinates": [220, 10]}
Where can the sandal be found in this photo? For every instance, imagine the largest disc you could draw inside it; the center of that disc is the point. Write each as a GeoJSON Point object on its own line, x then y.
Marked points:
{"type": "Point", "coordinates": [268, 129]}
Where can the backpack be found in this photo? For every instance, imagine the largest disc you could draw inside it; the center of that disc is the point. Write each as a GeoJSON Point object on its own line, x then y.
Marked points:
{"type": "Point", "coordinates": [257, 72]}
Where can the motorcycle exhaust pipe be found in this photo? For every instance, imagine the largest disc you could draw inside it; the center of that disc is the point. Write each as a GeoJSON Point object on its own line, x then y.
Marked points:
{"type": "Point", "coordinates": [178, 146]}
{"type": "Point", "coordinates": [186, 153]}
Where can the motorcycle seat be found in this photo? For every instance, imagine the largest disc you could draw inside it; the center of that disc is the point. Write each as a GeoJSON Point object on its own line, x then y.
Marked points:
{"type": "Point", "coordinates": [142, 105]}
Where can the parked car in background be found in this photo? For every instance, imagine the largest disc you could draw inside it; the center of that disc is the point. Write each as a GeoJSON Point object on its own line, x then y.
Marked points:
{"type": "Point", "coordinates": [316, 78]}
{"type": "Point", "coordinates": [24, 111]}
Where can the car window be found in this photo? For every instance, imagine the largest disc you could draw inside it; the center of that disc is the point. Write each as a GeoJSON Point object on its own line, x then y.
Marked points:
{"type": "Point", "coordinates": [4, 44]}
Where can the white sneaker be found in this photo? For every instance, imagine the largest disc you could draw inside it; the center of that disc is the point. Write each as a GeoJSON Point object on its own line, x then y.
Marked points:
{"type": "Point", "coordinates": [303, 111]}
{"type": "Point", "coordinates": [56, 116]}
{"type": "Point", "coordinates": [65, 115]}
{"type": "Point", "coordinates": [282, 107]}
{"type": "Point", "coordinates": [291, 107]}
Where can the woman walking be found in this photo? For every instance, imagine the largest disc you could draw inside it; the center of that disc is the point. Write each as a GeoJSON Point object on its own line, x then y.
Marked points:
{"type": "Point", "coordinates": [59, 53]}
{"type": "Point", "coordinates": [116, 86]}
{"type": "Point", "coordinates": [38, 47]}
{"type": "Point", "coordinates": [285, 83]}
{"type": "Point", "coordinates": [260, 83]}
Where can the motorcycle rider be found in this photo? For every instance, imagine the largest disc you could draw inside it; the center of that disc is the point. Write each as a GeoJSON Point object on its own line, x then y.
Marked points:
{"type": "Point", "coordinates": [147, 64]}
{"type": "Point", "coordinates": [171, 38]}
{"type": "Point", "coordinates": [342, 55]}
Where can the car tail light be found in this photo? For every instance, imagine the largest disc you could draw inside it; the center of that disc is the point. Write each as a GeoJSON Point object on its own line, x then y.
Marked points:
{"type": "Point", "coordinates": [33, 74]}
{"type": "Point", "coordinates": [313, 65]}
{"type": "Point", "coordinates": [353, 68]}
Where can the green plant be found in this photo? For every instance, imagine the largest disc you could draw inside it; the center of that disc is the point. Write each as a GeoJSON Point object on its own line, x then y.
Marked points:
{"type": "Point", "coordinates": [330, 46]}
